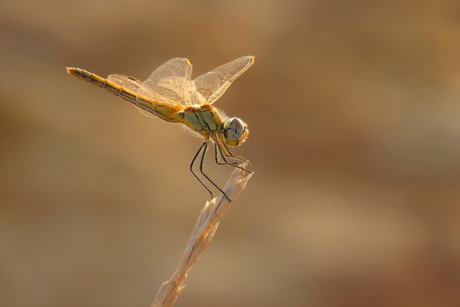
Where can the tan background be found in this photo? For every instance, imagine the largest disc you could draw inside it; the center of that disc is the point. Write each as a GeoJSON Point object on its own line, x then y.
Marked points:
{"type": "Point", "coordinates": [354, 115]}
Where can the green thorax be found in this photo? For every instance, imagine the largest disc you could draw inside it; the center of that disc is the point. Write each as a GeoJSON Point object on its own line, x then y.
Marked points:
{"type": "Point", "coordinates": [205, 120]}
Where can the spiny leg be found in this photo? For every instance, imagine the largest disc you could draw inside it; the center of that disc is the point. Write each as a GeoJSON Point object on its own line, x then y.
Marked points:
{"type": "Point", "coordinates": [223, 156]}
{"type": "Point", "coordinates": [193, 163]}
{"type": "Point", "coordinates": [217, 152]}
{"type": "Point", "coordinates": [209, 179]}
{"type": "Point", "coordinates": [226, 153]}
{"type": "Point", "coordinates": [203, 149]}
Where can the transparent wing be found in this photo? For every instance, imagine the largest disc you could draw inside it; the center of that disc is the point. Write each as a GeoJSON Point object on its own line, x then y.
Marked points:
{"type": "Point", "coordinates": [170, 82]}
{"type": "Point", "coordinates": [213, 84]}
{"type": "Point", "coordinates": [129, 83]}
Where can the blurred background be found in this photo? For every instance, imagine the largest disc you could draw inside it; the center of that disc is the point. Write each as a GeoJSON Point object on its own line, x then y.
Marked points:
{"type": "Point", "coordinates": [353, 111]}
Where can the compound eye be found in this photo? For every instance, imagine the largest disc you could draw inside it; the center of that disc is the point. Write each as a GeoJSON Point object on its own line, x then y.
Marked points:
{"type": "Point", "coordinates": [235, 131]}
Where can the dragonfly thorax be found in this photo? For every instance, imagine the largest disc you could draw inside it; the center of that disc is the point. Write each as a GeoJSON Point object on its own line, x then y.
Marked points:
{"type": "Point", "coordinates": [235, 131]}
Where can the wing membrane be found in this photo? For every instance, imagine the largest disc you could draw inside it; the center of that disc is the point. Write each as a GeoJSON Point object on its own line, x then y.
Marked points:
{"type": "Point", "coordinates": [170, 82]}
{"type": "Point", "coordinates": [214, 83]}
{"type": "Point", "coordinates": [129, 83]}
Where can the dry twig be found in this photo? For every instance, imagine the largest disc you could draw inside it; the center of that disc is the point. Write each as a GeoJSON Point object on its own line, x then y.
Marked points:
{"type": "Point", "coordinates": [204, 230]}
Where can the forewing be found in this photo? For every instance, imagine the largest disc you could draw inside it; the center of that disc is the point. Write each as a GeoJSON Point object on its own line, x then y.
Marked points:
{"type": "Point", "coordinates": [214, 83]}
{"type": "Point", "coordinates": [170, 82]}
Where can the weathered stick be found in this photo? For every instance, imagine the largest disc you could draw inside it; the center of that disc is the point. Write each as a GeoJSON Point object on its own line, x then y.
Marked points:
{"type": "Point", "coordinates": [204, 230]}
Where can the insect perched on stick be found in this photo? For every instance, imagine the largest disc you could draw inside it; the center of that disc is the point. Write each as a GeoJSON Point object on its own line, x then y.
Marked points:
{"type": "Point", "coordinates": [170, 94]}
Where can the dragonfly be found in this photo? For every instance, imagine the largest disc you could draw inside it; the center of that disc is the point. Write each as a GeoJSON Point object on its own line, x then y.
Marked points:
{"type": "Point", "coordinates": [171, 95]}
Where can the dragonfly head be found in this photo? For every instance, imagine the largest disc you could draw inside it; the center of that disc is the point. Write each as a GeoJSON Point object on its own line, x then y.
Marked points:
{"type": "Point", "coordinates": [235, 131]}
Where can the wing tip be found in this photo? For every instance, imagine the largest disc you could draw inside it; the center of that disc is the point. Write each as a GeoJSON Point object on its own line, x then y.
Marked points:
{"type": "Point", "coordinates": [251, 58]}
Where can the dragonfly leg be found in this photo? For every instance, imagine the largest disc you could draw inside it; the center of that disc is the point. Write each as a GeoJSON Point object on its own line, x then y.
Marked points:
{"type": "Point", "coordinates": [203, 145]}
{"type": "Point", "coordinates": [202, 150]}
{"type": "Point", "coordinates": [219, 152]}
